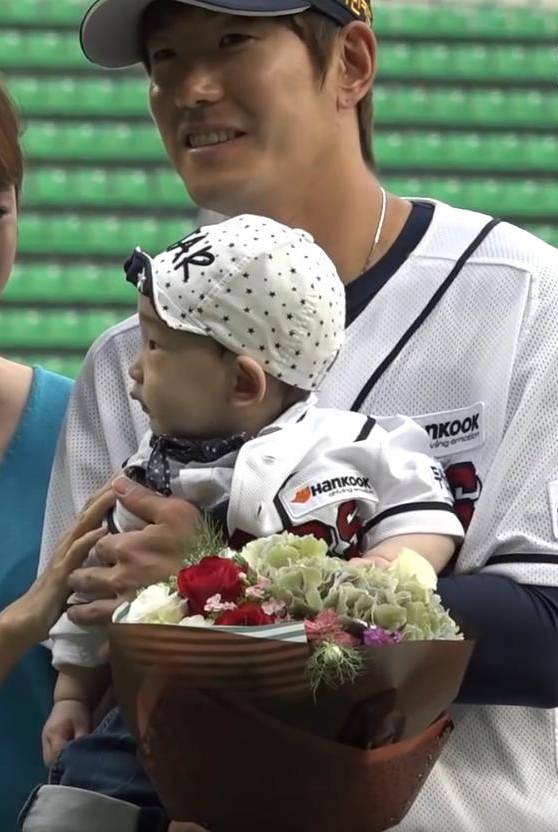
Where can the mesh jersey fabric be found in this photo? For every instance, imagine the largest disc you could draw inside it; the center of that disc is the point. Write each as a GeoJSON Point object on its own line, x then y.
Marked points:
{"type": "Point", "coordinates": [492, 339]}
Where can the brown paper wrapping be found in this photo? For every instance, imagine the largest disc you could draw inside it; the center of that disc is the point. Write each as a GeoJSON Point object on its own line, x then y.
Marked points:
{"type": "Point", "coordinates": [232, 737]}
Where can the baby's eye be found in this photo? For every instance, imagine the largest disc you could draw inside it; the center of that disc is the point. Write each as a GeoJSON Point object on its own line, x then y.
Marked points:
{"type": "Point", "coordinates": [159, 55]}
{"type": "Point", "coordinates": [151, 344]}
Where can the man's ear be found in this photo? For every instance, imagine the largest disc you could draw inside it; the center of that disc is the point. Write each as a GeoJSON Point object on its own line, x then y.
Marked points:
{"type": "Point", "coordinates": [357, 65]}
{"type": "Point", "coordinates": [249, 382]}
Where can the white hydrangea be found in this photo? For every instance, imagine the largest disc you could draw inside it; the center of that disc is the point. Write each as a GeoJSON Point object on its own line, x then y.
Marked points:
{"type": "Point", "coordinates": [157, 604]}
{"type": "Point", "coordinates": [196, 621]}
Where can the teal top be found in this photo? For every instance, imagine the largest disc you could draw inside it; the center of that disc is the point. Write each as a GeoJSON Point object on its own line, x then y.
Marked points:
{"type": "Point", "coordinates": [25, 697]}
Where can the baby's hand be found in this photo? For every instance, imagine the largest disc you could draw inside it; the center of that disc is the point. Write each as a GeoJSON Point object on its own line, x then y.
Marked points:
{"type": "Point", "coordinates": [369, 558]}
{"type": "Point", "coordinates": [68, 720]}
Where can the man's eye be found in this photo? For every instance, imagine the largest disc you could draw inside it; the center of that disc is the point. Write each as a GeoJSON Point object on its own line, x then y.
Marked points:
{"type": "Point", "coordinates": [233, 39]}
{"type": "Point", "coordinates": [151, 344]}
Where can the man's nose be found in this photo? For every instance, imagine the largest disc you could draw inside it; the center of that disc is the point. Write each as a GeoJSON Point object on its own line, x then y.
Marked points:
{"type": "Point", "coordinates": [199, 85]}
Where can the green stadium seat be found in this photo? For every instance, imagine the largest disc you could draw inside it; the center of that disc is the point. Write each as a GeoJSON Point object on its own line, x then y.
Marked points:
{"type": "Point", "coordinates": [549, 233]}
{"type": "Point", "coordinates": [43, 12]}
{"type": "Point", "coordinates": [84, 141]}
{"type": "Point", "coordinates": [465, 21]}
{"type": "Point", "coordinates": [49, 283]}
{"type": "Point", "coordinates": [65, 365]}
{"type": "Point", "coordinates": [394, 103]}
{"type": "Point", "coordinates": [34, 282]}
{"type": "Point", "coordinates": [102, 187]}
{"type": "Point", "coordinates": [471, 62]}
{"type": "Point", "coordinates": [41, 50]}
{"type": "Point", "coordinates": [499, 197]}
{"type": "Point", "coordinates": [34, 329]}
{"type": "Point", "coordinates": [111, 235]}
{"type": "Point", "coordinates": [21, 328]}
{"type": "Point", "coordinates": [168, 188]}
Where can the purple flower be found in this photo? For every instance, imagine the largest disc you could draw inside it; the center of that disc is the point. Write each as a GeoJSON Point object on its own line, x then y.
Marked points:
{"type": "Point", "coordinates": [378, 636]}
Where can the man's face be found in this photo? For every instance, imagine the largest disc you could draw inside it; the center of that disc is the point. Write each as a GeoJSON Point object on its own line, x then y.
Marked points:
{"type": "Point", "coordinates": [180, 379]}
{"type": "Point", "coordinates": [243, 117]}
{"type": "Point", "coordinates": [8, 232]}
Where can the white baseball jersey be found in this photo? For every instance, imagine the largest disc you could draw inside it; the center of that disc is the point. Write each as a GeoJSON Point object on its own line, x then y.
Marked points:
{"type": "Point", "coordinates": [335, 474]}
{"type": "Point", "coordinates": [473, 356]}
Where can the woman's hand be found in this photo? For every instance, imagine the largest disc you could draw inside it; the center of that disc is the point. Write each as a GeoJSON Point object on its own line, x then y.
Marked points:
{"type": "Point", "coordinates": [29, 619]}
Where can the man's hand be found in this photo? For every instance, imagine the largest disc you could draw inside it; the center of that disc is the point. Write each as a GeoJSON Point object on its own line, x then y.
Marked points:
{"type": "Point", "coordinates": [134, 559]}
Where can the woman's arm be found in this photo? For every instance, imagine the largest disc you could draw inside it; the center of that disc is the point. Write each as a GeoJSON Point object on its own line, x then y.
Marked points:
{"type": "Point", "coordinates": [28, 620]}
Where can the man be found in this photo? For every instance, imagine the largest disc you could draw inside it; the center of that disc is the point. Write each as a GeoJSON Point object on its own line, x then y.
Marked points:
{"type": "Point", "coordinates": [451, 320]}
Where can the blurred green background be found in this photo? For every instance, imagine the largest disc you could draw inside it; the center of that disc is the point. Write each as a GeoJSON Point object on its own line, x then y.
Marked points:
{"type": "Point", "coordinates": [466, 111]}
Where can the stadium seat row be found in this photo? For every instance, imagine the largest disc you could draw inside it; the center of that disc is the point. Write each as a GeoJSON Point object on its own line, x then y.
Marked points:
{"type": "Point", "coordinates": [47, 282]}
{"type": "Point", "coordinates": [48, 329]}
{"type": "Point", "coordinates": [60, 50]}
{"type": "Point", "coordinates": [118, 142]}
{"type": "Point", "coordinates": [66, 365]}
{"type": "Point", "coordinates": [155, 189]}
{"type": "Point", "coordinates": [69, 141]}
{"type": "Point", "coordinates": [505, 198]}
{"type": "Point", "coordinates": [466, 151]}
{"type": "Point", "coordinates": [161, 188]}
{"type": "Point", "coordinates": [464, 20]}
{"type": "Point", "coordinates": [394, 104]}
{"type": "Point", "coordinates": [68, 234]}
{"type": "Point", "coordinates": [30, 328]}
{"type": "Point", "coordinates": [69, 283]}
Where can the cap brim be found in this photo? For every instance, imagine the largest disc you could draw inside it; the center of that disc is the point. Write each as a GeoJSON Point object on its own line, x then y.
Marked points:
{"type": "Point", "coordinates": [109, 32]}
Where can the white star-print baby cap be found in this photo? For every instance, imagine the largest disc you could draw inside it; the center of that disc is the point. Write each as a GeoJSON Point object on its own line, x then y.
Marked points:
{"type": "Point", "coordinates": [257, 287]}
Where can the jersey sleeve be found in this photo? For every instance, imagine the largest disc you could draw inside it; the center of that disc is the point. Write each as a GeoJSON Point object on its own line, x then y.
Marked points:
{"type": "Point", "coordinates": [102, 428]}
{"type": "Point", "coordinates": [75, 645]}
{"type": "Point", "coordinates": [413, 494]}
{"type": "Point", "coordinates": [514, 530]}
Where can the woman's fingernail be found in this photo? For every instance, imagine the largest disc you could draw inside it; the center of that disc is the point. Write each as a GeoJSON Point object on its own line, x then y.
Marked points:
{"type": "Point", "coordinates": [123, 486]}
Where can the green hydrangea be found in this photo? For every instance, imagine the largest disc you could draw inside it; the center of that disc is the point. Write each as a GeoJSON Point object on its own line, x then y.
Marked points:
{"type": "Point", "coordinates": [269, 554]}
{"type": "Point", "coordinates": [308, 580]}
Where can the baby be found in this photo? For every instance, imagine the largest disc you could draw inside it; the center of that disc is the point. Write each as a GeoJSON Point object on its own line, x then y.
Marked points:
{"type": "Point", "coordinates": [240, 323]}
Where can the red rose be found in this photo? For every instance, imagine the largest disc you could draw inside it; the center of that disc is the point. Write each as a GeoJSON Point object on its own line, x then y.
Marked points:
{"type": "Point", "coordinates": [249, 614]}
{"type": "Point", "coordinates": [211, 576]}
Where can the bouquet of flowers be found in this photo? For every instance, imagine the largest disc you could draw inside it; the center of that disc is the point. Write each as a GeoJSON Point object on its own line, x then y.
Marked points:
{"type": "Point", "coordinates": [320, 683]}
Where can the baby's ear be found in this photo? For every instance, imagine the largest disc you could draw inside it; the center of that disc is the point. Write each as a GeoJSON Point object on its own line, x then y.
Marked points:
{"type": "Point", "coordinates": [250, 382]}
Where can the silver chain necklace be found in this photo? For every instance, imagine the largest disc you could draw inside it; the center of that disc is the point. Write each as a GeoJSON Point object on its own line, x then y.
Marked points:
{"type": "Point", "coordinates": [379, 230]}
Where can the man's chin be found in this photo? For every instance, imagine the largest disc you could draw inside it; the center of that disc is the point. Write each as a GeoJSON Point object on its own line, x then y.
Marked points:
{"type": "Point", "coordinates": [227, 194]}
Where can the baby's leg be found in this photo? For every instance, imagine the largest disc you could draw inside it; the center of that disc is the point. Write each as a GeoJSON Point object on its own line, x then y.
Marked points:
{"type": "Point", "coordinates": [97, 785]}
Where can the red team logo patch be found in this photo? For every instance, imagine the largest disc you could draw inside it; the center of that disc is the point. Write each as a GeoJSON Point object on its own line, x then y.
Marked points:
{"type": "Point", "coordinates": [343, 537]}
{"type": "Point", "coordinates": [466, 488]}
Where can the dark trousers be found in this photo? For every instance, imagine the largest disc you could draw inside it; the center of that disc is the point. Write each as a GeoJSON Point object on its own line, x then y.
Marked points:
{"type": "Point", "coordinates": [106, 762]}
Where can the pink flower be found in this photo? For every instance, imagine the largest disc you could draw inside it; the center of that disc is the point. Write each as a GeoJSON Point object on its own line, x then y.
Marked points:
{"type": "Point", "coordinates": [273, 606]}
{"type": "Point", "coordinates": [327, 627]}
{"type": "Point", "coordinates": [377, 636]}
{"type": "Point", "coordinates": [258, 590]}
{"type": "Point", "coordinates": [215, 604]}
{"type": "Point", "coordinates": [255, 592]}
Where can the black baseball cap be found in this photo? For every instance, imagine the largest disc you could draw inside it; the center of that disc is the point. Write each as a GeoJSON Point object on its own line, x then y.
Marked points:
{"type": "Point", "coordinates": [109, 32]}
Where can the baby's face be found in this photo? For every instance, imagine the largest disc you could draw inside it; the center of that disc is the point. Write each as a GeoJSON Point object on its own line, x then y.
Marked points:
{"type": "Point", "coordinates": [180, 379]}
